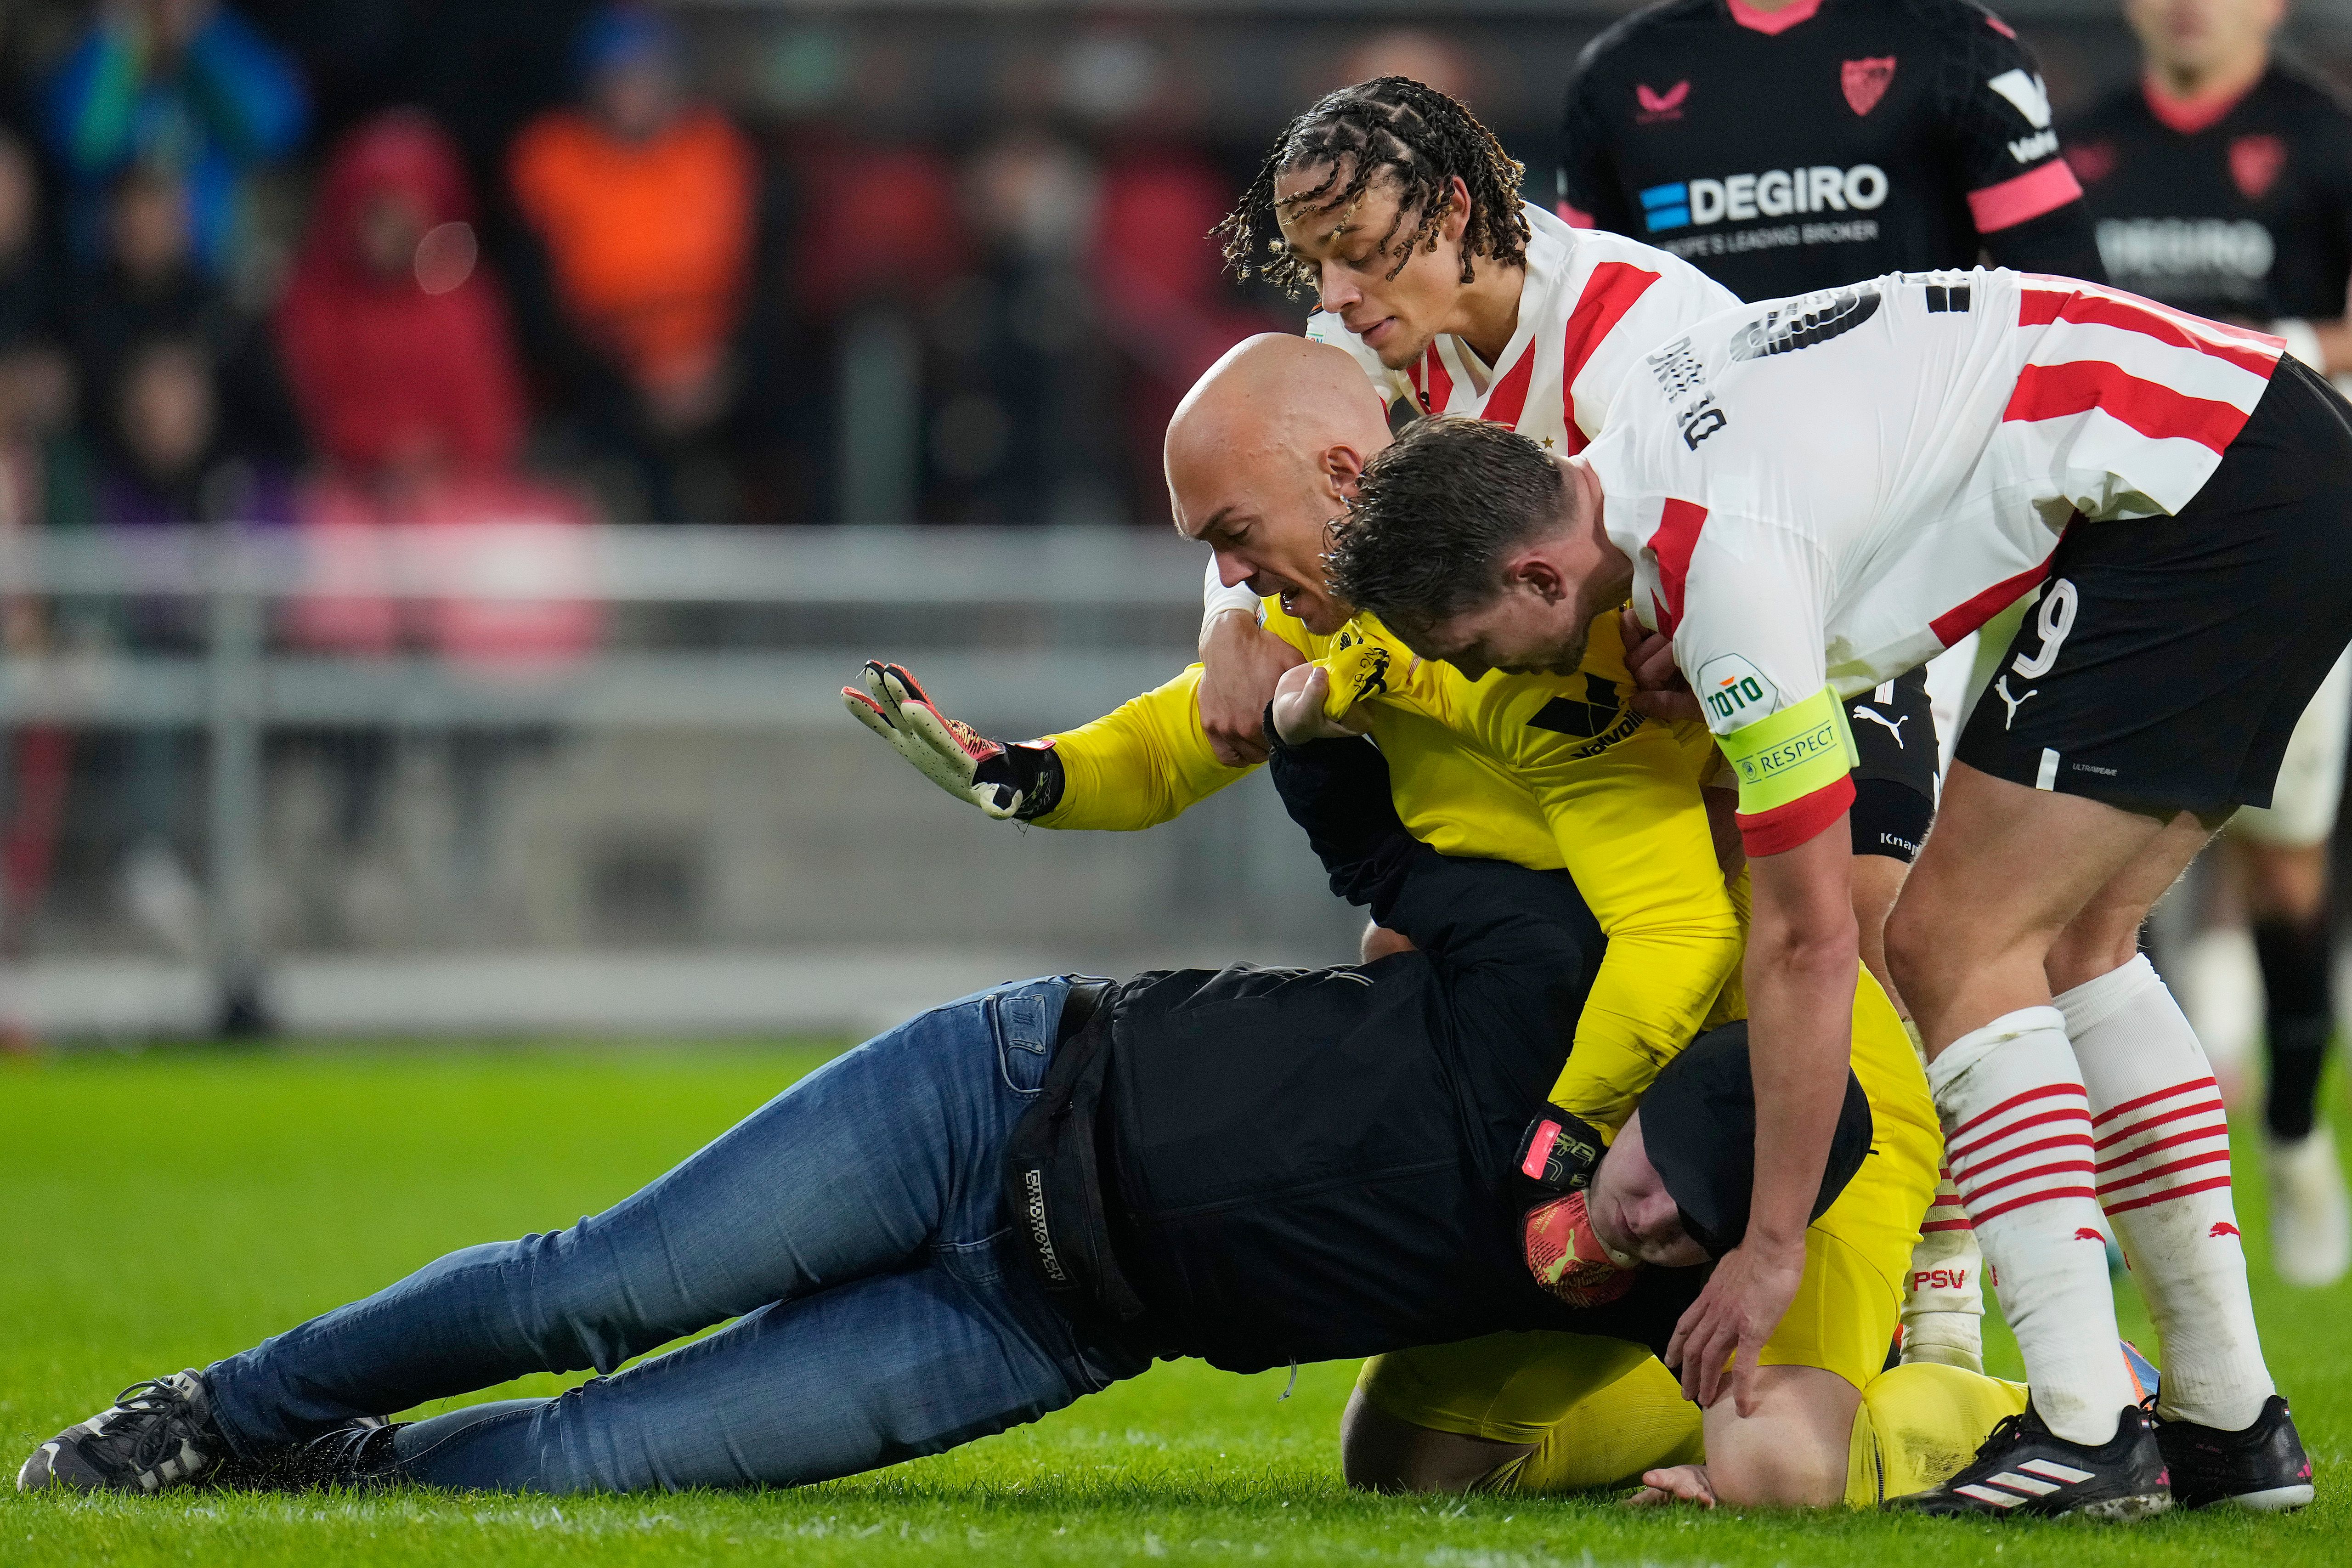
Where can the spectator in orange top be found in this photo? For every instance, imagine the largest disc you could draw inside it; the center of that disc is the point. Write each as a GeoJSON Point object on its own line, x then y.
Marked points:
{"type": "Point", "coordinates": [645, 205]}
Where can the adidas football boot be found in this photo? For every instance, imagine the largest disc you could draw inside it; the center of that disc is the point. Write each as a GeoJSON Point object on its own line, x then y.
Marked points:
{"type": "Point", "coordinates": [155, 1434]}
{"type": "Point", "coordinates": [2263, 1467]}
{"type": "Point", "coordinates": [2024, 1469]}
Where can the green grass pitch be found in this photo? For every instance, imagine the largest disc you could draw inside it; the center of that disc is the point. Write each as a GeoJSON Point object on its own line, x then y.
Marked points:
{"type": "Point", "coordinates": [165, 1210]}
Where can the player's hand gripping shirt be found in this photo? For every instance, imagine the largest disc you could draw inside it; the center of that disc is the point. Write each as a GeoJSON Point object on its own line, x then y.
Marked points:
{"type": "Point", "coordinates": [1592, 304]}
{"type": "Point", "coordinates": [1821, 492]}
{"type": "Point", "coordinates": [1822, 143]}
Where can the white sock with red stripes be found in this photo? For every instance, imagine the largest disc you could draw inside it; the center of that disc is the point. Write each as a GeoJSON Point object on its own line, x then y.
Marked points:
{"type": "Point", "coordinates": [2161, 1147]}
{"type": "Point", "coordinates": [2017, 1137]}
{"type": "Point", "coordinates": [1943, 1301]}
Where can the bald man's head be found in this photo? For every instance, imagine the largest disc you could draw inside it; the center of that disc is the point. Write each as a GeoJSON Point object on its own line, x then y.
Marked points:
{"type": "Point", "coordinates": [1262, 454]}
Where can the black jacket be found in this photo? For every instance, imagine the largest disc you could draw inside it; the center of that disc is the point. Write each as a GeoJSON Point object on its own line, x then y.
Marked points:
{"type": "Point", "coordinates": [1306, 1164]}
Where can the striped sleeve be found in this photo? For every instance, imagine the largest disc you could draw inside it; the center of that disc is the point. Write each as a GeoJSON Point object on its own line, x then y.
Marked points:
{"type": "Point", "coordinates": [1633, 300]}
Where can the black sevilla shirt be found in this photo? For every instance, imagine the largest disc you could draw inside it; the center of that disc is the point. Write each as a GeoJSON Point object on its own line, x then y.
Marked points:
{"type": "Point", "coordinates": [2235, 208]}
{"type": "Point", "coordinates": [1831, 141]}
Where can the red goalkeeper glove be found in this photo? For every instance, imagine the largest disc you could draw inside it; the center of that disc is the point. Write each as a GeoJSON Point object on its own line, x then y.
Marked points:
{"type": "Point", "coordinates": [1558, 1156]}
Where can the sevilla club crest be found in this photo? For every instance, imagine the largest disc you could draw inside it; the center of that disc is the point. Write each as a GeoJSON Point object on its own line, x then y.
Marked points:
{"type": "Point", "coordinates": [1866, 83]}
{"type": "Point", "coordinates": [2254, 165]}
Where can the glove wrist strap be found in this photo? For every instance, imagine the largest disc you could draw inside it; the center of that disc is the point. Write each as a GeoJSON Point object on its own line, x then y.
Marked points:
{"type": "Point", "coordinates": [1559, 1151]}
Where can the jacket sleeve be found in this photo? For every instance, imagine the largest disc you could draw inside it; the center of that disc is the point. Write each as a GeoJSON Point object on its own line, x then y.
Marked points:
{"type": "Point", "coordinates": [1148, 761]}
{"type": "Point", "coordinates": [1143, 763]}
{"type": "Point", "coordinates": [1503, 936]}
{"type": "Point", "coordinates": [1632, 832]}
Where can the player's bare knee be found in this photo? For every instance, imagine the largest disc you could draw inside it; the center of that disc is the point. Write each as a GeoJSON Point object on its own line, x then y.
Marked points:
{"type": "Point", "coordinates": [1760, 1476]}
{"type": "Point", "coordinates": [1380, 1453]}
{"type": "Point", "coordinates": [1791, 1451]}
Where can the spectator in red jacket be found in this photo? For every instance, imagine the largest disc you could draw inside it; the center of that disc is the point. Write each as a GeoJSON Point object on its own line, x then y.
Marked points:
{"type": "Point", "coordinates": [395, 341]}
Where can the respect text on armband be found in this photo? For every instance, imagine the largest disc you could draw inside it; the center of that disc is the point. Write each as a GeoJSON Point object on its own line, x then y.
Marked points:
{"type": "Point", "coordinates": [1820, 741]}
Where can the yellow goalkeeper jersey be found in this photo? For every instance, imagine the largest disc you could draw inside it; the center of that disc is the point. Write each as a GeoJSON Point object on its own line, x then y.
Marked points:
{"type": "Point", "coordinates": [1550, 772]}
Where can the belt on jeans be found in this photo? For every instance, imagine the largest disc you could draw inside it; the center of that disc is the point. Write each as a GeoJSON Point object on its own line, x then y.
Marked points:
{"type": "Point", "coordinates": [1053, 1176]}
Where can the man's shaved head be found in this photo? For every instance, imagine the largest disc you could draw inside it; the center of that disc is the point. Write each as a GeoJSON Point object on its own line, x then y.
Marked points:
{"type": "Point", "coordinates": [1261, 455]}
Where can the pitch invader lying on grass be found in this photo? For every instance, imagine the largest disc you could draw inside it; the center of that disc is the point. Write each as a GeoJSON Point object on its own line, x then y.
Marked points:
{"type": "Point", "coordinates": [1020, 1197]}
{"type": "Point", "coordinates": [1822, 490]}
{"type": "Point", "coordinates": [1541, 770]}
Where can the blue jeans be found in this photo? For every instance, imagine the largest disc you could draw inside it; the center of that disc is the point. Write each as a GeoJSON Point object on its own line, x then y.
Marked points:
{"type": "Point", "coordinates": [853, 1227]}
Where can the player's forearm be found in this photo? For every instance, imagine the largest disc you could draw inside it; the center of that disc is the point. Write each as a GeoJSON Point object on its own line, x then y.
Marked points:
{"type": "Point", "coordinates": [1803, 955]}
{"type": "Point", "coordinates": [1141, 764]}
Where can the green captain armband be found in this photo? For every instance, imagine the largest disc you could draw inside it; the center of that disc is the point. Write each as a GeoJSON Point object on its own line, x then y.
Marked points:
{"type": "Point", "coordinates": [1792, 753]}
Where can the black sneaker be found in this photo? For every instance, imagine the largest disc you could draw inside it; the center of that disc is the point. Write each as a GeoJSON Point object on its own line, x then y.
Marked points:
{"type": "Point", "coordinates": [2024, 1469]}
{"type": "Point", "coordinates": [2263, 1467]}
{"type": "Point", "coordinates": [155, 1434]}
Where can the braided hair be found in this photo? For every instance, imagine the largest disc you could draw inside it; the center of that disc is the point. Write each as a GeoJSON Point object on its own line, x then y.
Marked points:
{"type": "Point", "coordinates": [1396, 127]}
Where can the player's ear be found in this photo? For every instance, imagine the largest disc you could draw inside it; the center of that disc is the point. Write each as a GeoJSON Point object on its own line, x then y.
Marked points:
{"type": "Point", "coordinates": [1533, 571]}
{"type": "Point", "coordinates": [1457, 210]}
{"type": "Point", "coordinates": [1343, 470]}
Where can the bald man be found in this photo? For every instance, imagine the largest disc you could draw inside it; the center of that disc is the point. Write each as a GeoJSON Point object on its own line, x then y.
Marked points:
{"type": "Point", "coordinates": [1547, 770]}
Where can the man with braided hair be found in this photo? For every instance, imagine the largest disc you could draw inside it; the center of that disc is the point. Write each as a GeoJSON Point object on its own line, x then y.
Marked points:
{"type": "Point", "coordinates": [1452, 293]}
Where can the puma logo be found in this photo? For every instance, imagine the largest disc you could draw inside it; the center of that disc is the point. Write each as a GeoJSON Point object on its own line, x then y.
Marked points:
{"type": "Point", "coordinates": [1892, 726]}
{"type": "Point", "coordinates": [2000, 688]}
{"type": "Point", "coordinates": [2222, 1227]}
{"type": "Point", "coordinates": [2084, 1232]}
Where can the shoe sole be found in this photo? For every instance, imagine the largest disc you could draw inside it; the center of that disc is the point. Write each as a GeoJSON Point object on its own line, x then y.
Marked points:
{"type": "Point", "coordinates": [2272, 1500]}
{"type": "Point", "coordinates": [2123, 1510]}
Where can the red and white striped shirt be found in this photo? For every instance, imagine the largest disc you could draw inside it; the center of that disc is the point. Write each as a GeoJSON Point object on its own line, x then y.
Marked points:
{"type": "Point", "coordinates": [1592, 305]}
{"type": "Point", "coordinates": [1832, 489]}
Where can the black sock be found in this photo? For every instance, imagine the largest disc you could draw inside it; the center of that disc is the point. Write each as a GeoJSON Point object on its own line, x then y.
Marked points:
{"type": "Point", "coordinates": [2299, 1016]}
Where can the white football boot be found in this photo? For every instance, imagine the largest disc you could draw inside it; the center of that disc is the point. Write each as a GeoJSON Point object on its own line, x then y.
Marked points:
{"type": "Point", "coordinates": [2311, 1215]}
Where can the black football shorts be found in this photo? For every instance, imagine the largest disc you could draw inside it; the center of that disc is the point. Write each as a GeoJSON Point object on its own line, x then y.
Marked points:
{"type": "Point", "coordinates": [2165, 660]}
{"type": "Point", "coordinates": [1894, 775]}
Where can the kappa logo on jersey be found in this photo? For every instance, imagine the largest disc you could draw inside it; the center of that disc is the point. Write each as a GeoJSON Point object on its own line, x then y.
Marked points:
{"type": "Point", "coordinates": [1658, 106]}
{"type": "Point", "coordinates": [1730, 686]}
{"type": "Point", "coordinates": [1784, 333]}
{"type": "Point", "coordinates": [1776, 193]}
{"type": "Point", "coordinates": [2029, 98]}
{"type": "Point", "coordinates": [2255, 163]}
{"type": "Point", "coordinates": [1866, 83]}
{"type": "Point", "coordinates": [1582, 719]}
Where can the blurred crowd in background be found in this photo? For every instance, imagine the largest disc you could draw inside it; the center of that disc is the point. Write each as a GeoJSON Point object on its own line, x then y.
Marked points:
{"type": "Point", "coordinates": [709, 263]}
